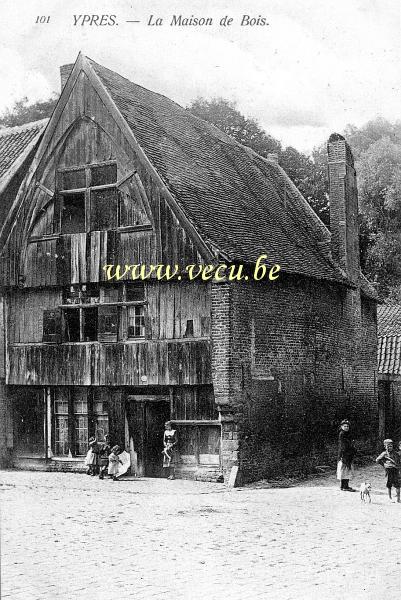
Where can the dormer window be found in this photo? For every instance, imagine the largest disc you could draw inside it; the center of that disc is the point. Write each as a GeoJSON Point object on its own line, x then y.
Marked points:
{"type": "Point", "coordinates": [88, 198]}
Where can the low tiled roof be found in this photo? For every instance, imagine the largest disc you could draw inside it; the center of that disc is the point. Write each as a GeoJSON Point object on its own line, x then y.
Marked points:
{"type": "Point", "coordinates": [15, 140]}
{"type": "Point", "coordinates": [389, 342]}
{"type": "Point", "coordinates": [389, 319]}
{"type": "Point", "coordinates": [239, 202]}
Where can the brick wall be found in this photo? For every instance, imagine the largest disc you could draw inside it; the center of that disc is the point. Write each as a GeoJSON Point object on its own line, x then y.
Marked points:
{"type": "Point", "coordinates": [303, 356]}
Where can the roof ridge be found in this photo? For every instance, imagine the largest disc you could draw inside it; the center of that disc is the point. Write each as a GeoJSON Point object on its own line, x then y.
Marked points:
{"type": "Point", "coordinates": [93, 62]}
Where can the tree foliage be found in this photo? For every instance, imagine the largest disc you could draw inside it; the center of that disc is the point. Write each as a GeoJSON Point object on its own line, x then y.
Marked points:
{"type": "Point", "coordinates": [376, 147]}
{"type": "Point", "coordinates": [310, 178]}
{"type": "Point", "coordinates": [24, 112]}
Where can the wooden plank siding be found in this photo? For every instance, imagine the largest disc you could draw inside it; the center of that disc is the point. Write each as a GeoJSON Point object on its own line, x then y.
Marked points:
{"type": "Point", "coordinates": [162, 362]}
{"type": "Point", "coordinates": [165, 357]}
{"type": "Point", "coordinates": [169, 307]}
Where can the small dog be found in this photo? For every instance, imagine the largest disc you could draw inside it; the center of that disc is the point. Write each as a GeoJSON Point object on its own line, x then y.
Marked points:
{"type": "Point", "coordinates": [365, 491]}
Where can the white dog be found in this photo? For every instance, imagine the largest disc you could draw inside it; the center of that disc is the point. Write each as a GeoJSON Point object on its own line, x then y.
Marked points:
{"type": "Point", "coordinates": [365, 491]}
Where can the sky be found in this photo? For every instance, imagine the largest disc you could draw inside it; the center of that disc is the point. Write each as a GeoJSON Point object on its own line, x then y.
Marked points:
{"type": "Point", "coordinates": [317, 66]}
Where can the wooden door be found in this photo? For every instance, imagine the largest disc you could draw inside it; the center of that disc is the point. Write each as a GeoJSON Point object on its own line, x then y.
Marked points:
{"type": "Point", "coordinates": [29, 423]}
{"type": "Point", "coordinates": [156, 414]}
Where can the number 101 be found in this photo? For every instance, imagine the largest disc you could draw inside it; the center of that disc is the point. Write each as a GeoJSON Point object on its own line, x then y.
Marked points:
{"type": "Point", "coordinates": [42, 20]}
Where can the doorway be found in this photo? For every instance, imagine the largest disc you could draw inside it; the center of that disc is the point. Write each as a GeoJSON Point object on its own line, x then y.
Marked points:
{"type": "Point", "coordinates": [146, 417]}
{"type": "Point", "coordinates": [29, 423]}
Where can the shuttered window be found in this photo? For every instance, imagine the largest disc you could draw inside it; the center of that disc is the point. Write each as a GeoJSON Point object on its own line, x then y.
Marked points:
{"type": "Point", "coordinates": [52, 326]}
{"type": "Point", "coordinates": [108, 323]}
{"type": "Point", "coordinates": [104, 209]}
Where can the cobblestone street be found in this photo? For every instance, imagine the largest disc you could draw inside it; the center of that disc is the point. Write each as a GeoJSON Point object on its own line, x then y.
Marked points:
{"type": "Point", "coordinates": [70, 536]}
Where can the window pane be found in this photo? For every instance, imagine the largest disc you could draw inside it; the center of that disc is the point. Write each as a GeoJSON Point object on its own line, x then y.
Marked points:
{"type": "Point", "coordinates": [72, 325]}
{"type": "Point", "coordinates": [73, 213]}
{"type": "Point", "coordinates": [80, 406]}
{"type": "Point", "coordinates": [73, 180]}
{"type": "Point", "coordinates": [104, 209]}
{"type": "Point", "coordinates": [136, 321]}
{"type": "Point", "coordinates": [81, 434]}
{"type": "Point", "coordinates": [90, 324]}
{"type": "Point", "coordinates": [61, 435]}
{"type": "Point", "coordinates": [103, 174]}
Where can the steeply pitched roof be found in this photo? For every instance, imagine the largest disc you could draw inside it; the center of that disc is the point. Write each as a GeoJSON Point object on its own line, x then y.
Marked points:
{"type": "Point", "coordinates": [15, 142]}
{"type": "Point", "coordinates": [389, 333]}
{"type": "Point", "coordinates": [239, 202]}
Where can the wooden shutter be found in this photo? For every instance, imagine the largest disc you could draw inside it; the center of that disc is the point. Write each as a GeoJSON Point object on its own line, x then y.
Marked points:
{"type": "Point", "coordinates": [108, 323]}
{"type": "Point", "coordinates": [52, 326]}
{"type": "Point", "coordinates": [104, 209]}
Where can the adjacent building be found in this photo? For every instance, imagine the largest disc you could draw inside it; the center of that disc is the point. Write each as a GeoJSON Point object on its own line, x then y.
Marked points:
{"type": "Point", "coordinates": [389, 361]}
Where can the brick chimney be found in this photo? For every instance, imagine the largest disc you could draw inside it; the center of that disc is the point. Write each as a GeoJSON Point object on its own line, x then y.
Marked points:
{"type": "Point", "coordinates": [343, 196]}
{"type": "Point", "coordinates": [65, 71]}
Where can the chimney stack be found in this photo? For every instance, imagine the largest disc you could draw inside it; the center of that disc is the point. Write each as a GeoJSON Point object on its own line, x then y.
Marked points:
{"type": "Point", "coordinates": [343, 196]}
{"type": "Point", "coordinates": [65, 71]}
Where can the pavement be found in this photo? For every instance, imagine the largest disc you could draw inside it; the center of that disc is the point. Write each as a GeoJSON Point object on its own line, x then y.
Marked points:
{"type": "Point", "coordinates": [70, 536]}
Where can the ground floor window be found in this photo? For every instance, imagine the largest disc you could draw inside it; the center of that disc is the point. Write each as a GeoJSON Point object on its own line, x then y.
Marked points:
{"type": "Point", "coordinates": [78, 414]}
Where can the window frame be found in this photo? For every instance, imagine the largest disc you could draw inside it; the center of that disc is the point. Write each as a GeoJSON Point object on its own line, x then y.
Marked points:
{"type": "Point", "coordinates": [79, 298]}
{"type": "Point", "coordinates": [72, 417]}
{"type": "Point", "coordinates": [87, 191]}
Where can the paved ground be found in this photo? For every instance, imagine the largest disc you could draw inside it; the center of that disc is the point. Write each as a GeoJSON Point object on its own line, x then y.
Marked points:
{"type": "Point", "coordinates": [70, 536]}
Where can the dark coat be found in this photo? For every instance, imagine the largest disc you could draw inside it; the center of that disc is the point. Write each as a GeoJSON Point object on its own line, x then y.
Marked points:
{"type": "Point", "coordinates": [346, 449]}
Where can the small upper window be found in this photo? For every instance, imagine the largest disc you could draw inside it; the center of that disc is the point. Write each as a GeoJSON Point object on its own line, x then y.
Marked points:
{"type": "Point", "coordinates": [73, 213]}
{"type": "Point", "coordinates": [103, 175]}
{"type": "Point", "coordinates": [73, 180]}
{"type": "Point", "coordinates": [135, 292]}
{"type": "Point", "coordinates": [88, 198]}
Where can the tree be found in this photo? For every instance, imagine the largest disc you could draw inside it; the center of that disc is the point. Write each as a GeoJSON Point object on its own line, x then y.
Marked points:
{"type": "Point", "coordinates": [310, 178]}
{"type": "Point", "coordinates": [22, 112]}
{"type": "Point", "coordinates": [379, 173]}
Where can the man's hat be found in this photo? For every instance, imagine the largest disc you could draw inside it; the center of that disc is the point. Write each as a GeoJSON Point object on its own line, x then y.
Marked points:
{"type": "Point", "coordinates": [387, 442]}
{"type": "Point", "coordinates": [345, 422]}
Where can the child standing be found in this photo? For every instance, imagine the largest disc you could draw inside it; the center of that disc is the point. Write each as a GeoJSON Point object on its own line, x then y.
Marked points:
{"type": "Point", "coordinates": [91, 457]}
{"type": "Point", "coordinates": [113, 463]}
{"type": "Point", "coordinates": [390, 460]}
{"type": "Point", "coordinates": [104, 456]}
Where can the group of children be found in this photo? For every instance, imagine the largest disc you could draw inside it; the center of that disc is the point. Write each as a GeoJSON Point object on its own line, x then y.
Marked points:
{"type": "Point", "coordinates": [101, 457]}
{"type": "Point", "coordinates": [390, 459]}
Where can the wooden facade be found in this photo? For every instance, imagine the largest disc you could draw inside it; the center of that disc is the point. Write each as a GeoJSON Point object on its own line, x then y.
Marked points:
{"type": "Point", "coordinates": [82, 350]}
{"type": "Point", "coordinates": [124, 176]}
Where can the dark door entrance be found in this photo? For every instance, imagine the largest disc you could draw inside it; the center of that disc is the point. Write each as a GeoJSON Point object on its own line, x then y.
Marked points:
{"type": "Point", "coordinates": [29, 423]}
{"type": "Point", "coordinates": [156, 414]}
{"type": "Point", "coordinates": [146, 417]}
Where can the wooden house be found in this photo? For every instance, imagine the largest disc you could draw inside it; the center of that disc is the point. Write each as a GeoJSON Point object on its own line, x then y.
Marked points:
{"type": "Point", "coordinates": [123, 175]}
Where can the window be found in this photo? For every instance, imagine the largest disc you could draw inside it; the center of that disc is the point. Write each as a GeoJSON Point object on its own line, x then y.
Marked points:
{"type": "Point", "coordinates": [136, 322]}
{"type": "Point", "coordinates": [51, 325]}
{"type": "Point", "coordinates": [73, 213]}
{"type": "Point", "coordinates": [110, 314]}
{"type": "Point", "coordinates": [61, 442]}
{"type": "Point", "coordinates": [100, 414]}
{"type": "Point", "coordinates": [78, 413]}
{"type": "Point", "coordinates": [80, 322]}
{"type": "Point", "coordinates": [88, 198]}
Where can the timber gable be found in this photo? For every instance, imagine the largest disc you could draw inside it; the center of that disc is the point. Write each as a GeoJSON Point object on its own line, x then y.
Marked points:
{"type": "Point", "coordinates": [86, 130]}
